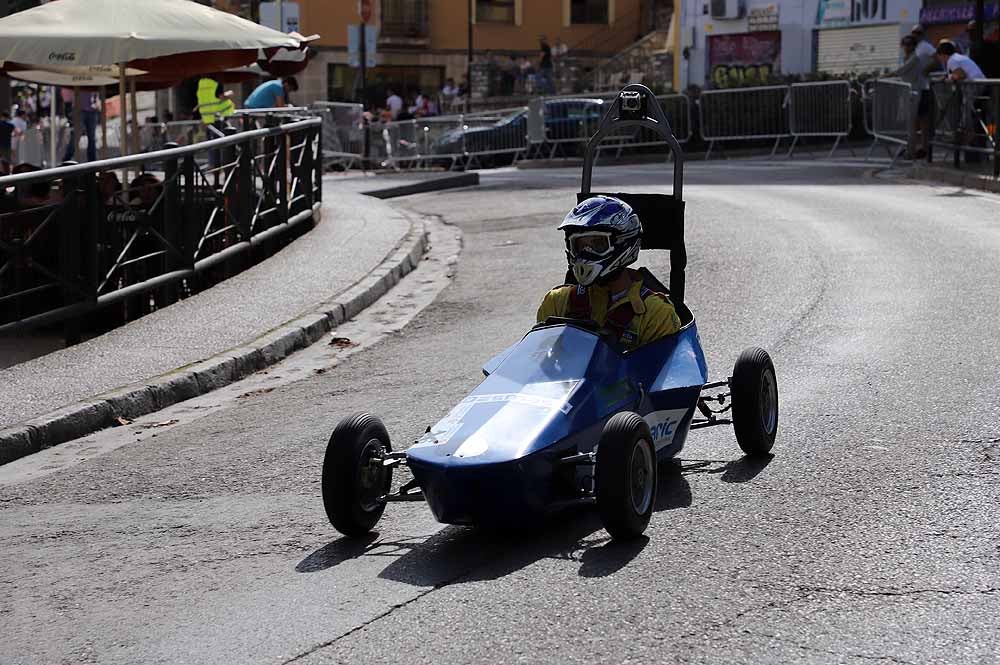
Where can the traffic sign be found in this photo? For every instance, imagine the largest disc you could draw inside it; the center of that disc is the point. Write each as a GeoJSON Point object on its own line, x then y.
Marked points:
{"type": "Point", "coordinates": [365, 10]}
{"type": "Point", "coordinates": [354, 45]}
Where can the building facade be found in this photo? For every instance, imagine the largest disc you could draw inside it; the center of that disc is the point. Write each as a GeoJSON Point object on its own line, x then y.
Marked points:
{"type": "Point", "coordinates": [727, 42]}
{"type": "Point", "coordinates": [422, 43]}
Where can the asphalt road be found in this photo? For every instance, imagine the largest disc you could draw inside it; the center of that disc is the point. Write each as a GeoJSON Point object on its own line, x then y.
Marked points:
{"type": "Point", "coordinates": [870, 536]}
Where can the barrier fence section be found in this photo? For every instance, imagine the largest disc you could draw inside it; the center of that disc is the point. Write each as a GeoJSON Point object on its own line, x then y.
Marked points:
{"type": "Point", "coordinates": [344, 133]}
{"type": "Point", "coordinates": [677, 108]}
{"type": "Point", "coordinates": [76, 239]}
{"type": "Point", "coordinates": [464, 139]}
{"type": "Point", "coordinates": [744, 113]}
{"type": "Point", "coordinates": [820, 109]}
{"type": "Point", "coordinates": [893, 107]}
{"type": "Point", "coordinates": [966, 118]}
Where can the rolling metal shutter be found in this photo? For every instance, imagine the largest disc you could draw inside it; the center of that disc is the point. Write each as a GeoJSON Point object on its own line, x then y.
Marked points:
{"type": "Point", "coordinates": [872, 48]}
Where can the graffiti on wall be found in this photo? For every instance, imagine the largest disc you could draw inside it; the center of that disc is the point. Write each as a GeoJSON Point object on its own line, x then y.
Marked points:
{"type": "Point", "coordinates": [743, 59]}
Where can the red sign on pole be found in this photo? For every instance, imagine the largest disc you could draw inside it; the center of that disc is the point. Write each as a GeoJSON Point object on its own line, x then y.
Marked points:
{"type": "Point", "coordinates": [365, 10]}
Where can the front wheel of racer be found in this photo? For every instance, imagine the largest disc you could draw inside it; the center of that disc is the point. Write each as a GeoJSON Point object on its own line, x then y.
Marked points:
{"type": "Point", "coordinates": [355, 480]}
{"type": "Point", "coordinates": [625, 476]}
{"type": "Point", "coordinates": [754, 389]}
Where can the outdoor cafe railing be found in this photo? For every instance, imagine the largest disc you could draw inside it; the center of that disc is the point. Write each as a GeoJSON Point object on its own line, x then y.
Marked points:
{"type": "Point", "coordinates": [74, 242]}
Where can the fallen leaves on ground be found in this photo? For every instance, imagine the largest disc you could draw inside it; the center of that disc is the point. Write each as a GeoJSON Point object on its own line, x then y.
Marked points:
{"type": "Point", "coordinates": [123, 421]}
{"type": "Point", "coordinates": [165, 423]}
{"type": "Point", "coordinates": [342, 342]}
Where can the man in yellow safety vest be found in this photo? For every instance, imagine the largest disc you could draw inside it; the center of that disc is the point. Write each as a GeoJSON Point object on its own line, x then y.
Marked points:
{"type": "Point", "coordinates": [211, 106]}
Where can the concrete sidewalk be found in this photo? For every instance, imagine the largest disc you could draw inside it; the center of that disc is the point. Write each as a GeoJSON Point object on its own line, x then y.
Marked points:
{"type": "Point", "coordinates": [973, 176]}
{"type": "Point", "coordinates": [358, 251]}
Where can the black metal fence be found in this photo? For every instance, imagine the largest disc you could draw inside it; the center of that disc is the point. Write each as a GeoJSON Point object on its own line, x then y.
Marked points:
{"type": "Point", "coordinates": [119, 238]}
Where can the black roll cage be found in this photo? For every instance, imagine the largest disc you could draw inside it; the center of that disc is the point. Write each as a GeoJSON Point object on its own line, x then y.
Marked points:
{"type": "Point", "coordinates": [661, 215]}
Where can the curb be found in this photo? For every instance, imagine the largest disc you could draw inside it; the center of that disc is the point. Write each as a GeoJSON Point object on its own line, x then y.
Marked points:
{"type": "Point", "coordinates": [430, 185]}
{"type": "Point", "coordinates": [138, 399]}
{"type": "Point", "coordinates": [944, 176]}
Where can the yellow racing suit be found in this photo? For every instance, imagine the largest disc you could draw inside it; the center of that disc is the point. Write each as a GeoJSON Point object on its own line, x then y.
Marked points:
{"type": "Point", "coordinates": [640, 317]}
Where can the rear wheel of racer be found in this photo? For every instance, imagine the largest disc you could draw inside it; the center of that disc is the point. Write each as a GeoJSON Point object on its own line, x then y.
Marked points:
{"type": "Point", "coordinates": [625, 477]}
{"type": "Point", "coordinates": [755, 401]}
{"type": "Point", "coordinates": [355, 481]}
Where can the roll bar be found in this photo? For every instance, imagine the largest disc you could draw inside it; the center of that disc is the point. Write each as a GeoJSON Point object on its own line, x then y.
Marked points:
{"type": "Point", "coordinates": [661, 215]}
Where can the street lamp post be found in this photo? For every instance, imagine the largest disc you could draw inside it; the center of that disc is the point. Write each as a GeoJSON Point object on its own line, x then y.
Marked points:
{"type": "Point", "coordinates": [468, 64]}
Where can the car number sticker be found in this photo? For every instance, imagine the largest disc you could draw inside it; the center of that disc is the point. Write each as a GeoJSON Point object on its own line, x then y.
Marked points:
{"type": "Point", "coordinates": [663, 425]}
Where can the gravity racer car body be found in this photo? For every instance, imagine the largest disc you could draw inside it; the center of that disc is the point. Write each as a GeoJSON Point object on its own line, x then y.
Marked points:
{"type": "Point", "coordinates": [565, 417]}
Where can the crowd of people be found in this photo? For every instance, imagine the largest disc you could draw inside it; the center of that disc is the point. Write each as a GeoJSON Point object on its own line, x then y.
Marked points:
{"type": "Point", "coordinates": [956, 60]}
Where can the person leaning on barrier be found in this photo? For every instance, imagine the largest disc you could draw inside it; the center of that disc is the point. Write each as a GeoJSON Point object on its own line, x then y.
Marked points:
{"type": "Point", "coordinates": [961, 70]}
{"type": "Point", "coordinates": [272, 94]}
{"type": "Point", "coordinates": [912, 72]}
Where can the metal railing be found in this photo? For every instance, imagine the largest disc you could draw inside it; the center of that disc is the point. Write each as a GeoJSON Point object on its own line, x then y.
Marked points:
{"type": "Point", "coordinates": [819, 109]}
{"type": "Point", "coordinates": [966, 119]}
{"type": "Point", "coordinates": [744, 114]}
{"type": "Point", "coordinates": [74, 240]}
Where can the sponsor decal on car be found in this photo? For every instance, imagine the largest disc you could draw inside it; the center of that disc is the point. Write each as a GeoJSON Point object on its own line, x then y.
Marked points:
{"type": "Point", "coordinates": [663, 426]}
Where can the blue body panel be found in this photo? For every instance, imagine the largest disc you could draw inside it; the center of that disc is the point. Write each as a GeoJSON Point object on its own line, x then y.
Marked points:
{"type": "Point", "coordinates": [494, 457]}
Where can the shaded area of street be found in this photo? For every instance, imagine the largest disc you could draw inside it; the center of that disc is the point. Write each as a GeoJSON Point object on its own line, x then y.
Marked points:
{"type": "Point", "coordinates": [869, 536]}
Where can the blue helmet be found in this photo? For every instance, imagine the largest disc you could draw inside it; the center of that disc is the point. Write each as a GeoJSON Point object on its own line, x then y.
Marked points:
{"type": "Point", "coordinates": [602, 237]}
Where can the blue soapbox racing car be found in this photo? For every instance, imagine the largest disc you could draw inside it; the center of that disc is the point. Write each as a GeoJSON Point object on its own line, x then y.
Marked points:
{"type": "Point", "coordinates": [565, 417]}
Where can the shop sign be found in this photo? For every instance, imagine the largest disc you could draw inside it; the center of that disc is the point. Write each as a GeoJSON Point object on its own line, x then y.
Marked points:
{"type": "Point", "coordinates": [956, 14]}
{"type": "Point", "coordinates": [762, 18]}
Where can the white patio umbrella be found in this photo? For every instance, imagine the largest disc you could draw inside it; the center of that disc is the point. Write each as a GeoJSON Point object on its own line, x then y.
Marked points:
{"type": "Point", "coordinates": [158, 36]}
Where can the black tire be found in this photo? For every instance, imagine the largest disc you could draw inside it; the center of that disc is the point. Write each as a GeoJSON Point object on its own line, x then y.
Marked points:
{"type": "Point", "coordinates": [625, 477]}
{"type": "Point", "coordinates": [352, 482]}
{"type": "Point", "coordinates": [754, 388]}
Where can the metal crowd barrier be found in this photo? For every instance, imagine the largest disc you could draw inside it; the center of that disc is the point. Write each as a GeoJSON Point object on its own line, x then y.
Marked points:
{"type": "Point", "coordinates": [966, 119]}
{"type": "Point", "coordinates": [893, 107]}
{"type": "Point", "coordinates": [89, 240]}
{"type": "Point", "coordinates": [344, 133]}
{"type": "Point", "coordinates": [821, 109]}
{"type": "Point", "coordinates": [677, 108]}
{"type": "Point", "coordinates": [744, 113]}
{"type": "Point", "coordinates": [464, 139]}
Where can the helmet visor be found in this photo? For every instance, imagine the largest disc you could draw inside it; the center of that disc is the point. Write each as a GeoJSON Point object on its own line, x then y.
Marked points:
{"type": "Point", "coordinates": [591, 244]}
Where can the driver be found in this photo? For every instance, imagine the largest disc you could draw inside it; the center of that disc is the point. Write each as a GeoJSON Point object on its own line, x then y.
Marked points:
{"type": "Point", "coordinates": [602, 238]}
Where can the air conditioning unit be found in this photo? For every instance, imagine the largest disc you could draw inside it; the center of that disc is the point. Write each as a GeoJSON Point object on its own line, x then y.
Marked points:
{"type": "Point", "coordinates": [727, 9]}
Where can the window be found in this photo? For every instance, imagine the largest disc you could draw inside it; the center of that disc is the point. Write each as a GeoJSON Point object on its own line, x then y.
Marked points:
{"type": "Point", "coordinates": [588, 11]}
{"type": "Point", "coordinates": [495, 11]}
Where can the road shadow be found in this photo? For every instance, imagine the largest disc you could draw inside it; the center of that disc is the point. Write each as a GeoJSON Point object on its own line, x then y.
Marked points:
{"type": "Point", "coordinates": [742, 470]}
{"type": "Point", "coordinates": [469, 554]}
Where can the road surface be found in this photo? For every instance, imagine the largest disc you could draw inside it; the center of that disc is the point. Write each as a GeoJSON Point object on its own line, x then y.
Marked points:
{"type": "Point", "coordinates": [871, 536]}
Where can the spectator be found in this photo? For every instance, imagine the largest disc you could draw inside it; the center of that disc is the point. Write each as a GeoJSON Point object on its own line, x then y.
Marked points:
{"type": "Point", "coordinates": [272, 94]}
{"type": "Point", "coordinates": [964, 41]}
{"type": "Point", "coordinates": [559, 49]}
{"type": "Point", "coordinates": [394, 103]}
{"type": "Point", "coordinates": [37, 193]}
{"type": "Point", "coordinates": [961, 70]}
{"type": "Point", "coordinates": [90, 117]}
{"type": "Point", "coordinates": [959, 67]}
{"type": "Point", "coordinates": [144, 190]}
{"type": "Point", "coordinates": [111, 189]}
{"type": "Point", "coordinates": [7, 130]}
{"type": "Point", "coordinates": [913, 72]}
{"type": "Point", "coordinates": [924, 49]}
{"type": "Point", "coordinates": [545, 81]}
